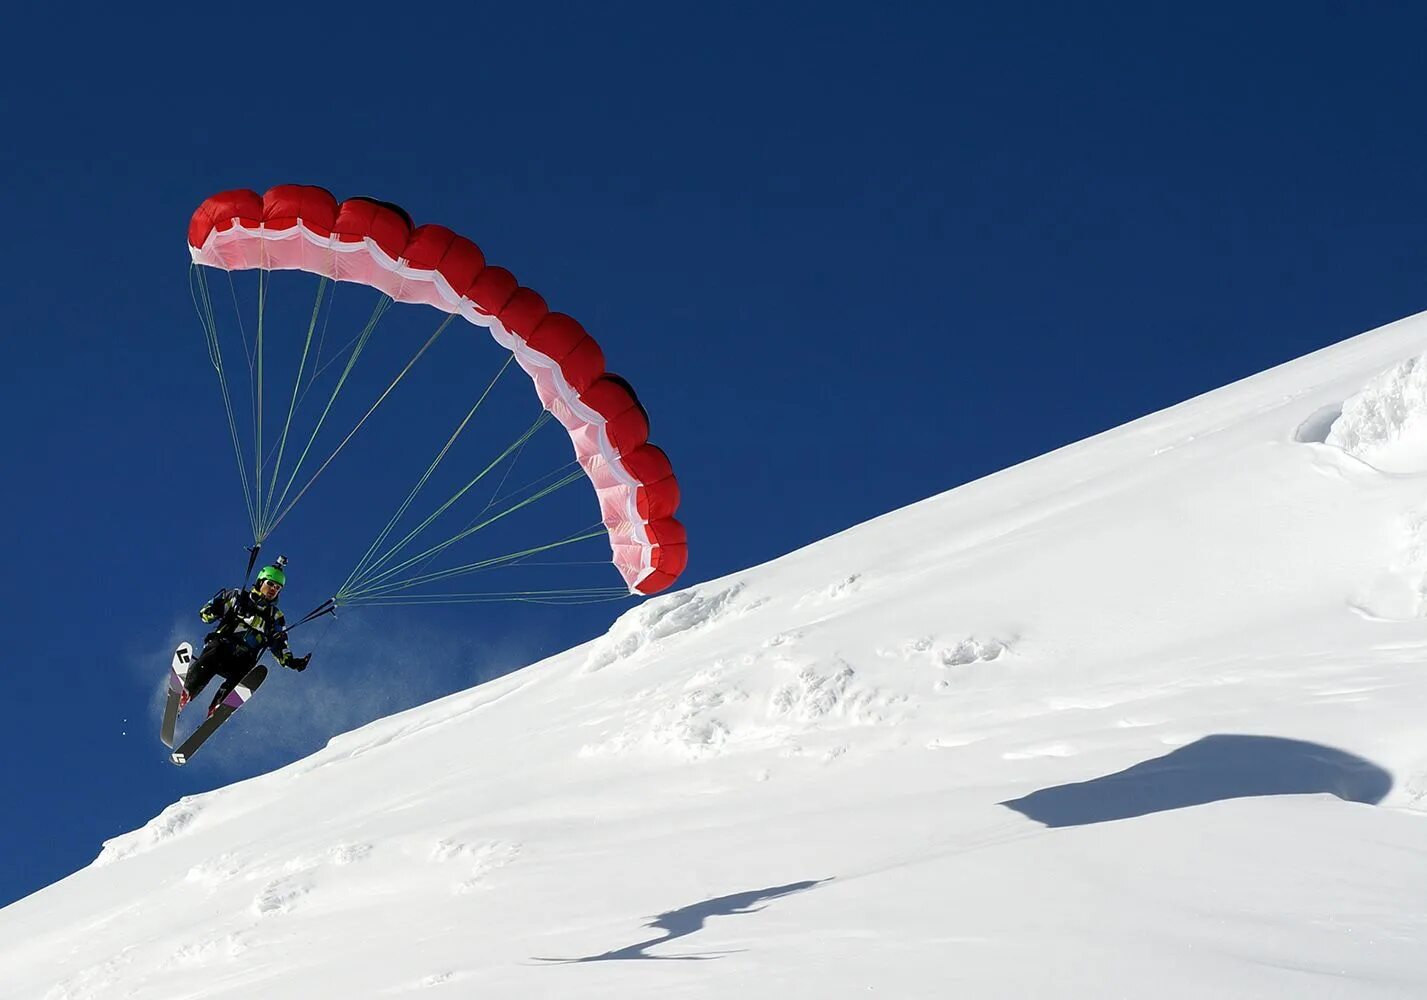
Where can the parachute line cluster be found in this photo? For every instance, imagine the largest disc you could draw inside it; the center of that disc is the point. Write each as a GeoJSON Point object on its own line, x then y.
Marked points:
{"type": "Point", "coordinates": [374, 243]}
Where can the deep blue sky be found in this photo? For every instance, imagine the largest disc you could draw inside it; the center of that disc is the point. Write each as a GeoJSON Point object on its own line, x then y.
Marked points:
{"type": "Point", "coordinates": [849, 259]}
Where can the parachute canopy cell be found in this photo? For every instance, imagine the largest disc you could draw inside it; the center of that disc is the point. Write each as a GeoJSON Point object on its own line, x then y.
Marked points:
{"type": "Point", "coordinates": [375, 243]}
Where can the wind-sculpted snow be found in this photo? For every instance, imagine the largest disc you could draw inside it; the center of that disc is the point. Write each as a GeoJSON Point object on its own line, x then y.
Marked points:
{"type": "Point", "coordinates": [786, 693]}
{"type": "Point", "coordinates": [95, 982]}
{"type": "Point", "coordinates": [772, 697]}
{"type": "Point", "coordinates": [782, 694]}
{"type": "Point", "coordinates": [282, 894]}
{"type": "Point", "coordinates": [475, 859]}
{"type": "Point", "coordinates": [835, 591]}
{"type": "Point", "coordinates": [168, 824]}
{"type": "Point", "coordinates": [664, 618]}
{"type": "Point", "coordinates": [1385, 424]}
{"type": "Point", "coordinates": [215, 871]}
{"type": "Point", "coordinates": [409, 724]}
{"type": "Point", "coordinates": [962, 652]}
{"type": "Point", "coordinates": [1141, 717]}
{"type": "Point", "coordinates": [203, 953]}
{"type": "Point", "coordinates": [1399, 592]}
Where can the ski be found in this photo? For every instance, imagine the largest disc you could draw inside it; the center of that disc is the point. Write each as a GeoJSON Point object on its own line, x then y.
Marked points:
{"type": "Point", "coordinates": [182, 657]}
{"type": "Point", "coordinates": [234, 700]}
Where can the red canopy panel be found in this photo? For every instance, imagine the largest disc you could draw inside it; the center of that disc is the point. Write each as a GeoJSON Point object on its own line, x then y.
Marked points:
{"type": "Point", "coordinates": [375, 243]}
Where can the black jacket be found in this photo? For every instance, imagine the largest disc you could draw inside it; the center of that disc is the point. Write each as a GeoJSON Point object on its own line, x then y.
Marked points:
{"type": "Point", "coordinates": [246, 620]}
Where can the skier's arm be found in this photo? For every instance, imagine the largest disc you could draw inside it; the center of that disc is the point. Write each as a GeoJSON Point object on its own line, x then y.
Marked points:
{"type": "Point", "coordinates": [282, 651]}
{"type": "Point", "coordinates": [278, 643]}
{"type": "Point", "coordinates": [216, 608]}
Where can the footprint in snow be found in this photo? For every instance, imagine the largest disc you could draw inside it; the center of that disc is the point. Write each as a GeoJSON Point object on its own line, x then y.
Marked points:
{"type": "Point", "coordinates": [347, 854]}
{"type": "Point", "coordinates": [963, 653]}
{"type": "Point", "coordinates": [972, 650]}
{"type": "Point", "coordinates": [215, 871]}
{"type": "Point", "coordinates": [908, 649]}
{"type": "Point", "coordinates": [437, 979]}
{"type": "Point", "coordinates": [835, 591]}
{"type": "Point", "coordinates": [93, 983]}
{"type": "Point", "coordinates": [202, 952]}
{"type": "Point", "coordinates": [782, 639]}
{"type": "Point", "coordinates": [482, 857]}
{"type": "Point", "coordinates": [281, 895]}
{"type": "Point", "coordinates": [340, 854]}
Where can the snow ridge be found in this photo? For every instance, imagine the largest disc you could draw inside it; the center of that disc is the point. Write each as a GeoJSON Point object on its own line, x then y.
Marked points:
{"type": "Point", "coordinates": [1385, 424]}
{"type": "Point", "coordinates": [1139, 718]}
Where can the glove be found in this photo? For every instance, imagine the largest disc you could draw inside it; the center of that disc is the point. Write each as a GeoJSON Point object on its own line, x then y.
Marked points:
{"type": "Point", "coordinates": [299, 663]}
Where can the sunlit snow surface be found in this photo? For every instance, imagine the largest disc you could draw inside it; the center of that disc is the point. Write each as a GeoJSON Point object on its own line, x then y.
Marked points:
{"type": "Point", "coordinates": [1146, 717]}
{"type": "Point", "coordinates": [1385, 424]}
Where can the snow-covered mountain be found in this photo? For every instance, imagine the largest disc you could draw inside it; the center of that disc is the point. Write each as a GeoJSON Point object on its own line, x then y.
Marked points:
{"type": "Point", "coordinates": [1143, 717]}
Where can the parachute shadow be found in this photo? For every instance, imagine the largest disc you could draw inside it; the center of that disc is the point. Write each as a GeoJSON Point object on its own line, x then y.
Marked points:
{"type": "Point", "coordinates": [1224, 766]}
{"type": "Point", "coordinates": [690, 919]}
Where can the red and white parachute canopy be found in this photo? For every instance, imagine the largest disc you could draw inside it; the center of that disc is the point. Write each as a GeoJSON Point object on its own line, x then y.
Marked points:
{"type": "Point", "coordinates": [374, 243]}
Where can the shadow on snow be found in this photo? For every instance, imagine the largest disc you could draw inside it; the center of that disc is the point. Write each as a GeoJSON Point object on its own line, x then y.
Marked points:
{"type": "Point", "coordinates": [690, 919]}
{"type": "Point", "coordinates": [1209, 770]}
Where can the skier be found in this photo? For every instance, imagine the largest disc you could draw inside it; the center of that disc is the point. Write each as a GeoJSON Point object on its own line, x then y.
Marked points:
{"type": "Point", "coordinates": [248, 622]}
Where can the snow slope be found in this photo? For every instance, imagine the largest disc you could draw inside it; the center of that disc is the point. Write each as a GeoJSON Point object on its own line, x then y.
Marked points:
{"type": "Point", "coordinates": [1139, 718]}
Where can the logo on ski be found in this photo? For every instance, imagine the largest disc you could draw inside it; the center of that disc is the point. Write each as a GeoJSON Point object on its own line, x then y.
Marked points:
{"type": "Point", "coordinates": [231, 702]}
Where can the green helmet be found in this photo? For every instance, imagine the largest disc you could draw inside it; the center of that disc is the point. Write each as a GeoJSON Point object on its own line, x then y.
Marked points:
{"type": "Point", "coordinates": [273, 573]}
